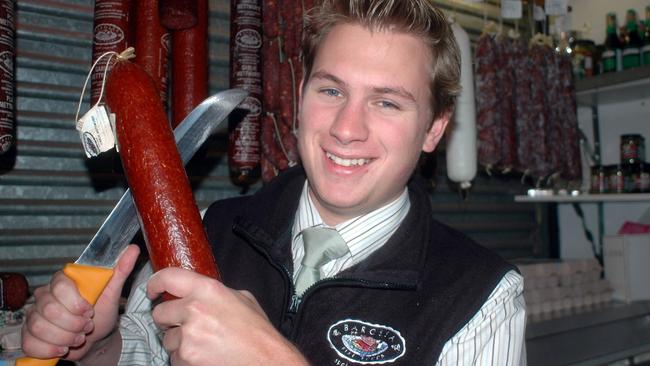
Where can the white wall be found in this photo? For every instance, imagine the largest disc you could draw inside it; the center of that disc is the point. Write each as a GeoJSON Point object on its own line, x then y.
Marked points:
{"type": "Point", "coordinates": [590, 14]}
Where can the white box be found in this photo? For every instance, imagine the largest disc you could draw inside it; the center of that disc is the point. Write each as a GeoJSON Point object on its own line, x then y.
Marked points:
{"type": "Point", "coordinates": [627, 266]}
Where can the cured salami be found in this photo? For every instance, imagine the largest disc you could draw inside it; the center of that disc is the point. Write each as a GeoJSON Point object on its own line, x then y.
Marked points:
{"type": "Point", "coordinates": [178, 14]}
{"type": "Point", "coordinates": [111, 32]}
{"type": "Point", "coordinates": [162, 195]}
{"type": "Point", "coordinates": [7, 76]}
{"type": "Point", "coordinates": [246, 73]}
{"type": "Point", "coordinates": [507, 84]}
{"type": "Point", "coordinates": [571, 167]}
{"type": "Point", "coordinates": [152, 43]}
{"type": "Point", "coordinates": [488, 112]}
{"type": "Point", "coordinates": [524, 128]}
{"type": "Point", "coordinates": [190, 66]}
{"type": "Point", "coordinates": [282, 74]}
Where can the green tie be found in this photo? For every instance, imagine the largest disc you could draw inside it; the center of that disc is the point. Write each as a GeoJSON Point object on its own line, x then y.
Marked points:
{"type": "Point", "coordinates": [321, 246]}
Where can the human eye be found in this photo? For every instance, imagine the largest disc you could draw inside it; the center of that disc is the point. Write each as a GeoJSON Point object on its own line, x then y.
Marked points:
{"type": "Point", "coordinates": [330, 92]}
{"type": "Point", "coordinates": [387, 104]}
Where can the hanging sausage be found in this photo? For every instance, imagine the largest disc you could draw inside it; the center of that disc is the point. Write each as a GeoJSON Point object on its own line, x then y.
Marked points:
{"type": "Point", "coordinates": [272, 158]}
{"type": "Point", "coordinates": [488, 115]}
{"type": "Point", "coordinates": [111, 32]}
{"type": "Point", "coordinates": [461, 141]}
{"type": "Point", "coordinates": [507, 84]}
{"type": "Point", "coordinates": [7, 75]}
{"type": "Point", "coordinates": [178, 14]}
{"type": "Point", "coordinates": [283, 72]}
{"type": "Point", "coordinates": [190, 66]}
{"type": "Point", "coordinates": [539, 114]}
{"type": "Point", "coordinates": [152, 44]}
{"type": "Point", "coordinates": [571, 167]}
{"type": "Point", "coordinates": [525, 132]}
{"type": "Point", "coordinates": [246, 73]}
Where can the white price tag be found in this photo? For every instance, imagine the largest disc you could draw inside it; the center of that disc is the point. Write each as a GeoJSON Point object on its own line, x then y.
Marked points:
{"type": "Point", "coordinates": [538, 13]}
{"type": "Point", "coordinates": [556, 7]}
{"type": "Point", "coordinates": [96, 131]}
{"type": "Point", "coordinates": [511, 9]}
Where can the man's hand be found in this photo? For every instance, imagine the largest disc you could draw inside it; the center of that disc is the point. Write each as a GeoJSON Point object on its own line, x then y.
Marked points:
{"type": "Point", "coordinates": [62, 324]}
{"type": "Point", "coordinates": [210, 323]}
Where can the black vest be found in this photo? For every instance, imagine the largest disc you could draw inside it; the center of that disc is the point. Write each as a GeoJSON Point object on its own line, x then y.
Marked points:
{"type": "Point", "coordinates": [399, 305]}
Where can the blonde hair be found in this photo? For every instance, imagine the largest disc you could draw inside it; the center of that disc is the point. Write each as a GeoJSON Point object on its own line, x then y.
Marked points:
{"type": "Point", "coordinates": [417, 17]}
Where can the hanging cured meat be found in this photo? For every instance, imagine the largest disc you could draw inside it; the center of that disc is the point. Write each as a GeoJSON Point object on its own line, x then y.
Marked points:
{"type": "Point", "coordinates": [190, 66]}
{"type": "Point", "coordinates": [524, 128]}
{"type": "Point", "coordinates": [272, 158]}
{"type": "Point", "coordinates": [539, 117]}
{"type": "Point", "coordinates": [554, 140]}
{"type": "Point", "coordinates": [506, 66]}
{"type": "Point", "coordinates": [461, 141]}
{"type": "Point", "coordinates": [246, 73]}
{"type": "Point", "coordinates": [488, 112]}
{"type": "Point", "coordinates": [178, 14]}
{"type": "Point", "coordinates": [111, 32]}
{"type": "Point", "coordinates": [7, 75]}
{"type": "Point", "coordinates": [152, 44]}
{"type": "Point", "coordinates": [571, 167]}
{"type": "Point", "coordinates": [283, 72]}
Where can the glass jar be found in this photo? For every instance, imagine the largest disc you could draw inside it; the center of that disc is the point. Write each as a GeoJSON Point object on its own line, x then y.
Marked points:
{"type": "Point", "coordinates": [632, 148]}
{"type": "Point", "coordinates": [598, 179]}
{"type": "Point", "coordinates": [615, 179]}
{"type": "Point", "coordinates": [584, 52]}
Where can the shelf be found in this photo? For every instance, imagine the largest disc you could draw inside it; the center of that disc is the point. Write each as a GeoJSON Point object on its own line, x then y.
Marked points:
{"type": "Point", "coordinates": [609, 197]}
{"type": "Point", "coordinates": [597, 337]}
{"type": "Point", "coordinates": [626, 85]}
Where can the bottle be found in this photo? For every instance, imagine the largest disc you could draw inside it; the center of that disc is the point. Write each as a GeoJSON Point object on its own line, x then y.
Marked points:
{"type": "Point", "coordinates": [645, 50]}
{"type": "Point", "coordinates": [633, 44]}
{"type": "Point", "coordinates": [611, 57]}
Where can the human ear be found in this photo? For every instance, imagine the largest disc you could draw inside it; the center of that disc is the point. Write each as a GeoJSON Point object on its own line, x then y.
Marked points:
{"type": "Point", "coordinates": [435, 132]}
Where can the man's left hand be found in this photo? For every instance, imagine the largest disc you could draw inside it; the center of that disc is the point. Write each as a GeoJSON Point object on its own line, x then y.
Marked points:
{"type": "Point", "coordinates": [210, 323]}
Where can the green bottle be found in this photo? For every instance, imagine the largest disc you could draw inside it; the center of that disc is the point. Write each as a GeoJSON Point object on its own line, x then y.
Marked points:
{"type": "Point", "coordinates": [611, 56]}
{"type": "Point", "coordinates": [645, 50]}
{"type": "Point", "coordinates": [632, 48]}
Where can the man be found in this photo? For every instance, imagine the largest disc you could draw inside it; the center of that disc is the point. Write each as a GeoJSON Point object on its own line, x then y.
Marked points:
{"type": "Point", "coordinates": [380, 86]}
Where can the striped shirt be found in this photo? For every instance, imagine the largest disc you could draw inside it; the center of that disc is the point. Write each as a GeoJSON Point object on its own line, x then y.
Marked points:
{"type": "Point", "coordinates": [363, 234]}
{"type": "Point", "coordinates": [494, 336]}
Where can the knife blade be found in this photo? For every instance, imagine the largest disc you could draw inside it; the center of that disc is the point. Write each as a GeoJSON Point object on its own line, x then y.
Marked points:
{"type": "Point", "coordinates": [92, 271]}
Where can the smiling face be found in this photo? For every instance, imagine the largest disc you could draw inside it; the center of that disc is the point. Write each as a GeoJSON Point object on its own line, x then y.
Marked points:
{"type": "Point", "coordinates": [364, 117]}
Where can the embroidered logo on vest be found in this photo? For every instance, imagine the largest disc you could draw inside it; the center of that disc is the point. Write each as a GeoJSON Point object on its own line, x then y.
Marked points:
{"type": "Point", "coordinates": [366, 343]}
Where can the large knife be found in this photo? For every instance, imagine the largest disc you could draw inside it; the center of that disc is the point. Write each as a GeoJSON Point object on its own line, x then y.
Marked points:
{"type": "Point", "coordinates": [94, 267]}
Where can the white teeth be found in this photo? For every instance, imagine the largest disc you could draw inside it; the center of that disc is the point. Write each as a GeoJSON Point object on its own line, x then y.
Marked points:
{"type": "Point", "coordinates": [347, 162]}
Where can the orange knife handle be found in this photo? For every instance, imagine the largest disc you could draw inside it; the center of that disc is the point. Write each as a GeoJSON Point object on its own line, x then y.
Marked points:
{"type": "Point", "coordinates": [26, 361]}
{"type": "Point", "coordinates": [90, 281]}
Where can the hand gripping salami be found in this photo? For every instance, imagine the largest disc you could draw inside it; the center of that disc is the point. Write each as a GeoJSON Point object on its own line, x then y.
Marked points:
{"type": "Point", "coordinates": [152, 44]}
{"type": "Point", "coordinates": [7, 76]}
{"type": "Point", "coordinates": [246, 73]}
{"type": "Point", "coordinates": [168, 214]}
{"type": "Point", "coordinates": [178, 14]}
{"type": "Point", "coordinates": [111, 32]}
{"type": "Point", "coordinates": [190, 66]}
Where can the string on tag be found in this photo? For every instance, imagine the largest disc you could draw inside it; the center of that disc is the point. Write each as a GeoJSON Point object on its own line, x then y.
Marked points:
{"type": "Point", "coordinates": [124, 55]}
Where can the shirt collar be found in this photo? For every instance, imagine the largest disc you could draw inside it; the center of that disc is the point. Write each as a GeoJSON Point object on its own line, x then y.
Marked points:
{"type": "Point", "coordinates": [363, 234]}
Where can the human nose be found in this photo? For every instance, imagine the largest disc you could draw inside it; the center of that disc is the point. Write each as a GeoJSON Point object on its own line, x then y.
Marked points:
{"type": "Point", "coordinates": [350, 123]}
